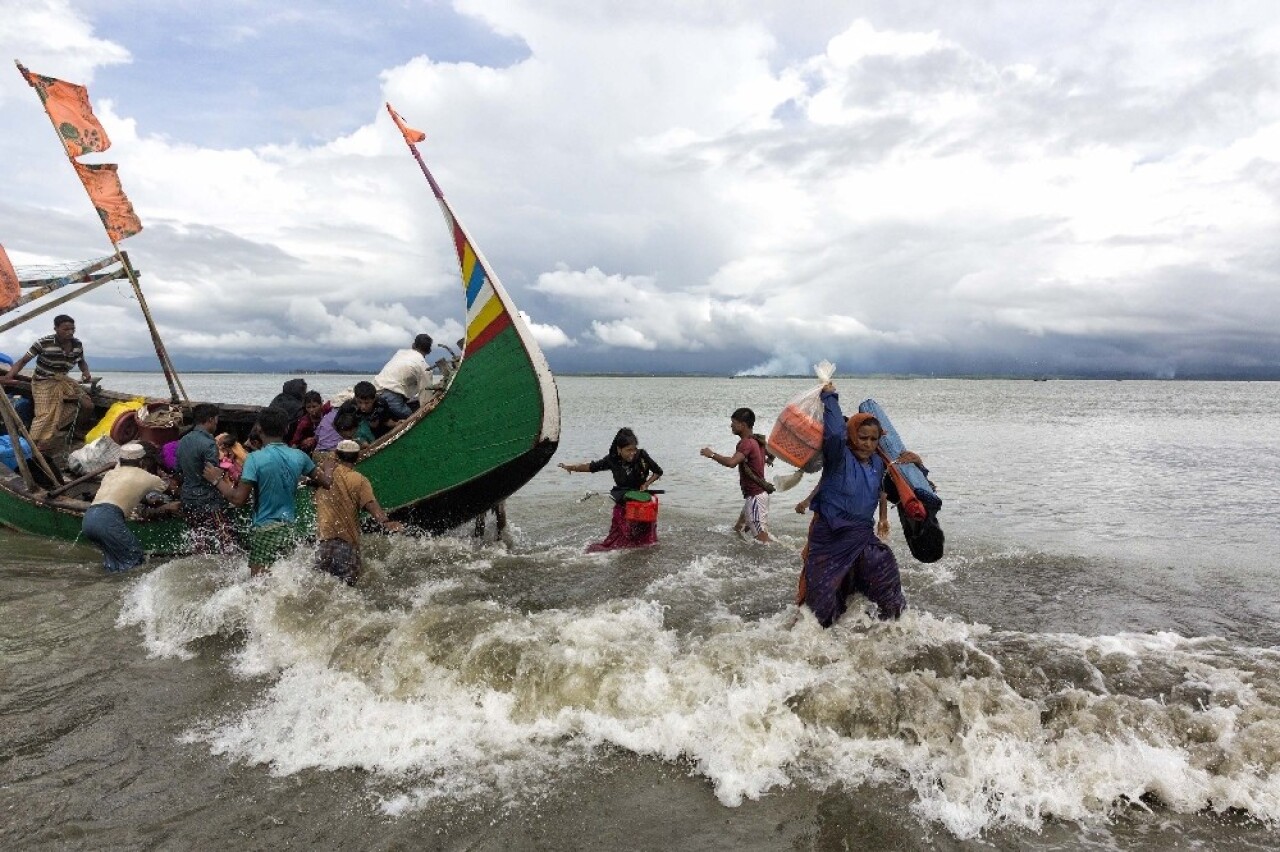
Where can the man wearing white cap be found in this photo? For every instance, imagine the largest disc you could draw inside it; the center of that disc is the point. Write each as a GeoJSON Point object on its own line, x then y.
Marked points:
{"type": "Point", "coordinates": [338, 515]}
{"type": "Point", "coordinates": [121, 491]}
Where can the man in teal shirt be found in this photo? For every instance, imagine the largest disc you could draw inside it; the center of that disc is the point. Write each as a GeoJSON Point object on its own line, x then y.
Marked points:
{"type": "Point", "coordinates": [271, 475]}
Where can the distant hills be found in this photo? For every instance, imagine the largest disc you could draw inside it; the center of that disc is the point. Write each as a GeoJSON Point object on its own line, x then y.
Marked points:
{"type": "Point", "coordinates": [251, 364]}
{"type": "Point", "coordinates": [359, 365]}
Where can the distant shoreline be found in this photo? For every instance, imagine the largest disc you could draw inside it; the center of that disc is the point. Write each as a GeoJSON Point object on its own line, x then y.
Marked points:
{"type": "Point", "coordinates": [863, 376]}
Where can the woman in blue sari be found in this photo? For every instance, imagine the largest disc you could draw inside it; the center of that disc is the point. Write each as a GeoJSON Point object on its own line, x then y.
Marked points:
{"type": "Point", "coordinates": [843, 555]}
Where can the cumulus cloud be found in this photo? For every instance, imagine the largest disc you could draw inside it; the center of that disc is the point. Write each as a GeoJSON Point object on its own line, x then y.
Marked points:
{"type": "Point", "coordinates": [748, 187]}
{"type": "Point", "coordinates": [548, 336]}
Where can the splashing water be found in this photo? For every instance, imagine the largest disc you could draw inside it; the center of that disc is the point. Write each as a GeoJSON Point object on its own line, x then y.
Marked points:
{"type": "Point", "coordinates": [441, 692]}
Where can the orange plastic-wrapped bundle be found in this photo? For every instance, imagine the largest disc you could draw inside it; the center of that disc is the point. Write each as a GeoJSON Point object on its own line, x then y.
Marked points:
{"type": "Point", "coordinates": [796, 437]}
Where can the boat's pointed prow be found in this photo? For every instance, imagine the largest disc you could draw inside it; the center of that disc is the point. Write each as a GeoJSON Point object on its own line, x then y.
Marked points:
{"type": "Point", "coordinates": [498, 423]}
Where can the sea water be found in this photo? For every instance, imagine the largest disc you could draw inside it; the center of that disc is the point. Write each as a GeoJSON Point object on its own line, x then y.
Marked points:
{"type": "Point", "coordinates": [1094, 663]}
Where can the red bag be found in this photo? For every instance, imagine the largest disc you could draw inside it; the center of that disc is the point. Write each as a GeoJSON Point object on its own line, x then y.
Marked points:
{"type": "Point", "coordinates": [641, 512]}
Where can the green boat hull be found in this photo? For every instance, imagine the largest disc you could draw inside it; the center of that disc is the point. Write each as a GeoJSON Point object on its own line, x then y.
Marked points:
{"type": "Point", "coordinates": [478, 445]}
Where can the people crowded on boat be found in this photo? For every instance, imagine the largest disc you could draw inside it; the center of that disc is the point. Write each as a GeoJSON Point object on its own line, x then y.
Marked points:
{"type": "Point", "coordinates": [303, 434]}
{"type": "Point", "coordinates": [338, 514]}
{"type": "Point", "coordinates": [749, 458]}
{"type": "Point", "coordinates": [55, 395]}
{"type": "Point", "coordinates": [335, 427]}
{"type": "Point", "coordinates": [634, 470]}
{"type": "Point", "coordinates": [271, 476]}
{"type": "Point", "coordinates": [843, 554]}
{"type": "Point", "coordinates": [405, 378]}
{"type": "Point", "coordinates": [122, 489]}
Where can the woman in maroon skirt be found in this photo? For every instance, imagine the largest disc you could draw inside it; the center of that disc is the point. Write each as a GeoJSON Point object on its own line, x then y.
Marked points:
{"type": "Point", "coordinates": [633, 470]}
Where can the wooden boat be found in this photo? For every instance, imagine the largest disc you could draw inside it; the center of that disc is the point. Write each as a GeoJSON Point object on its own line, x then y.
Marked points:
{"type": "Point", "coordinates": [494, 426]}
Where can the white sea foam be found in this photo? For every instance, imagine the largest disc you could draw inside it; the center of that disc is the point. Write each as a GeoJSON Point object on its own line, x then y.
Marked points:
{"type": "Point", "coordinates": [440, 695]}
{"type": "Point", "coordinates": [185, 600]}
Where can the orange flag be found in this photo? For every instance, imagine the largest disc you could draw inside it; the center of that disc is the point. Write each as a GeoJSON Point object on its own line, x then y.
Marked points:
{"type": "Point", "coordinates": [69, 110]}
{"type": "Point", "coordinates": [10, 290]}
{"type": "Point", "coordinates": [410, 135]}
{"type": "Point", "coordinates": [103, 185]}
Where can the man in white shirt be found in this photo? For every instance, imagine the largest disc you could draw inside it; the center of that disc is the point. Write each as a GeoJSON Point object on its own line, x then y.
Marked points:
{"type": "Point", "coordinates": [405, 377]}
{"type": "Point", "coordinates": [121, 491]}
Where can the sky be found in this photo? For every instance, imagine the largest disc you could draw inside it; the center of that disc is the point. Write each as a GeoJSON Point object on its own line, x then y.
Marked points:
{"type": "Point", "coordinates": [932, 188]}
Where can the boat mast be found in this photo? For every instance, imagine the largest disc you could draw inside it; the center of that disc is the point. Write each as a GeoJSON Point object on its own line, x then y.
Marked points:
{"type": "Point", "coordinates": [170, 374]}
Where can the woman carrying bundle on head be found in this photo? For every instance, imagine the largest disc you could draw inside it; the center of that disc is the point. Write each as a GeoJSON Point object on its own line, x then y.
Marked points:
{"type": "Point", "coordinates": [633, 472]}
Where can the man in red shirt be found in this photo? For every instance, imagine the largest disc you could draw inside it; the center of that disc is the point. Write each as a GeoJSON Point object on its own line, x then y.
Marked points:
{"type": "Point", "coordinates": [748, 458]}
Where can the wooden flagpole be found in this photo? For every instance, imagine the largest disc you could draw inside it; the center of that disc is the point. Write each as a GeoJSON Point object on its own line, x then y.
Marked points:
{"type": "Point", "coordinates": [166, 365]}
{"type": "Point", "coordinates": [170, 374]}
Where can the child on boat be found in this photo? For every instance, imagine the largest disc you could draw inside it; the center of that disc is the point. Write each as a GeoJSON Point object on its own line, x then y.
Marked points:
{"type": "Point", "coordinates": [633, 469]}
{"type": "Point", "coordinates": [373, 418]}
{"type": "Point", "coordinates": [335, 427]}
{"type": "Point", "coordinates": [748, 457]}
{"type": "Point", "coordinates": [231, 456]}
{"type": "Point", "coordinates": [314, 408]}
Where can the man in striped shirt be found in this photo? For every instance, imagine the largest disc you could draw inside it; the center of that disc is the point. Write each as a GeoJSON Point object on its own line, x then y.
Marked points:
{"type": "Point", "coordinates": [52, 390]}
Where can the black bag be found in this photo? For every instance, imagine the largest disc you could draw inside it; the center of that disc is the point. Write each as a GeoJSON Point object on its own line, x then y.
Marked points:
{"type": "Point", "coordinates": [925, 538]}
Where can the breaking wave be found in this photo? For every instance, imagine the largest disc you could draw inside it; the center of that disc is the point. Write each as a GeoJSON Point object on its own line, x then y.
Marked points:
{"type": "Point", "coordinates": [440, 689]}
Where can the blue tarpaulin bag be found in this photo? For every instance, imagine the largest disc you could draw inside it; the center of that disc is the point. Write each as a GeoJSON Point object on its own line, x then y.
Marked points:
{"type": "Point", "coordinates": [6, 451]}
{"type": "Point", "coordinates": [22, 405]}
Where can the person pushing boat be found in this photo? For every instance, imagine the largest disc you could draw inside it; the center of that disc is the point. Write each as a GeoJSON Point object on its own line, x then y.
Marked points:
{"type": "Point", "coordinates": [338, 510]}
{"type": "Point", "coordinates": [122, 489]}
{"type": "Point", "coordinates": [271, 475]}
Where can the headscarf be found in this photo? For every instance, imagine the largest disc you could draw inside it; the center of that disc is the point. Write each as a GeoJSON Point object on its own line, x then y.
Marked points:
{"type": "Point", "coordinates": [855, 422]}
{"type": "Point", "coordinates": [289, 400]}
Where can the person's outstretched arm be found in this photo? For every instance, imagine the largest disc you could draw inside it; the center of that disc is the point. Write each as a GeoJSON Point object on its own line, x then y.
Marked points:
{"type": "Point", "coordinates": [834, 431]}
{"type": "Point", "coordinates": [728, 461]}
{"type": "Point", "coordinates": [380, 515]}
{"type": "Point", "coordinates": [236, 495]}
{"type": "Point", "coordinates": [17, 366]}
{"type": "Point", "coordinates": [803, 505]}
